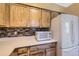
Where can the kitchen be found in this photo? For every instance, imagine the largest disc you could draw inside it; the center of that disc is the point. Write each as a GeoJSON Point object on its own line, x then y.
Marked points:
{"type": "Point", "coordinates": [38, 30]}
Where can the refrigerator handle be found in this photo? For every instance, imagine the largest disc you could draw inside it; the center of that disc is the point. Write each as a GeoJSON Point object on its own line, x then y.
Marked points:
{"type": "Point", "coordinates": [72, 39]}
{"type": "Point", "coordinates": [73, 36]}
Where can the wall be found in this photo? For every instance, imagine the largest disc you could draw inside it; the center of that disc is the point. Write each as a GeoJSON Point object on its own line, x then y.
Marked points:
{"type": "Point", "coordinates": [18, 32]}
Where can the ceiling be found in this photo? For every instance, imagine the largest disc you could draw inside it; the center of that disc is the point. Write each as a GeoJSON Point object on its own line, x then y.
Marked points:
{"type": "Point", "coordinates": [64, 4]}
{"type": "Point", "coordinates": [72, 9]}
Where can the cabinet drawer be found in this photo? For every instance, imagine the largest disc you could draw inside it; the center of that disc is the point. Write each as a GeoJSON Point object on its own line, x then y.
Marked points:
{"type": "Point", "coordinates": [22, 50]}
{"type": "Point", "coordinates": [24, 54]}
{"type": "Point", "coordinates": [44, 46]}
{"type": "Point", "coordinates": [51, 52]}
{"type": "Point", "coordinates": [38, 53]}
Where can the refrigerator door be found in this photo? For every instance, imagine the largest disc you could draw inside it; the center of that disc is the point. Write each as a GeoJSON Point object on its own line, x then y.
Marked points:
{"type": "Point", "coordinates": [78, 50]}
{"type": "Point", "coordinates": [66, 31]}
{"type": "Point", "coordinates": [75, 31]}
{"type": "Point", "coordinates": [70, 52]}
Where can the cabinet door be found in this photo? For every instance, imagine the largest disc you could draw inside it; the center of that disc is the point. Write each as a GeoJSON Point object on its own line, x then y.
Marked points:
{"type": "Point", "coordinates": [22, 50]}
{"type": "Point", "coordinates": [19, 16]}
{"type": "Point", "coordinates": [14, 53]}
{"type": "Point", "coordinates": [51, 52]}
{"type": "Point", "coordinates": [45, 22]}
{"type": "Point", "coordinates": [35, 17]}
{"type": "Point", "coordinates": [2, 14]}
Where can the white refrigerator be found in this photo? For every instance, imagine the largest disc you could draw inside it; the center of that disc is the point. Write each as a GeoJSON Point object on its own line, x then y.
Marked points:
{"type": "Point", "coordinates": [65, 29]}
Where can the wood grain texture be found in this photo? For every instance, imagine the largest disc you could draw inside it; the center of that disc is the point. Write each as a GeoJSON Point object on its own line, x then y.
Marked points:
{"type": "Point", "coordinates": [45, 21]}
{"type": "Point", "coordinates": [19, 16]}
{"type": "Point", "coordinates": [51, 52]}
{"type": "Point", "coordinates": [35, 17]}
{"type": "Point", "coordinates": [2, 14]}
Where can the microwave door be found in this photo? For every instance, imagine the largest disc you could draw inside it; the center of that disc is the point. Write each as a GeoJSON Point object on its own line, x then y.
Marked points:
{"type": "Point", "coordinates": [42, 36]}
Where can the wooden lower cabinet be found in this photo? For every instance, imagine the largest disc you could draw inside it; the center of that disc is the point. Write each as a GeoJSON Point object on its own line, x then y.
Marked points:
{"type": "Point", "coordinates": [51, 52]}
{"type": "Point", "coordinates": [39, 50]}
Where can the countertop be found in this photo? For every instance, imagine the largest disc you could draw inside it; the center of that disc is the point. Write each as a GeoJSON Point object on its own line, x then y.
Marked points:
{"type": "Point", "coordinates": [7, 45]}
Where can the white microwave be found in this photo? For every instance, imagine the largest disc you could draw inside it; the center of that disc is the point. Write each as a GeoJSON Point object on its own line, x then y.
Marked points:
{"type": "Point", "coordinates": [43, 35]}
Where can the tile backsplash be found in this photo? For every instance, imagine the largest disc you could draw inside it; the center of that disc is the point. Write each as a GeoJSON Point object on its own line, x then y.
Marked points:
{"type": "Point", "coordinates": [15, 32]}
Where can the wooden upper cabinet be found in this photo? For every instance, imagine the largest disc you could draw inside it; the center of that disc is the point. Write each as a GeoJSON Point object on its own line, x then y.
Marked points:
{"type": "Point", "coordinates": [19, 16]}
{"type": "Point", "coordinates": [45, 21]}
{"type": "Point", "coordinates": [35, 17]}
{"type": "Point", "coordinates": [2, 14]}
